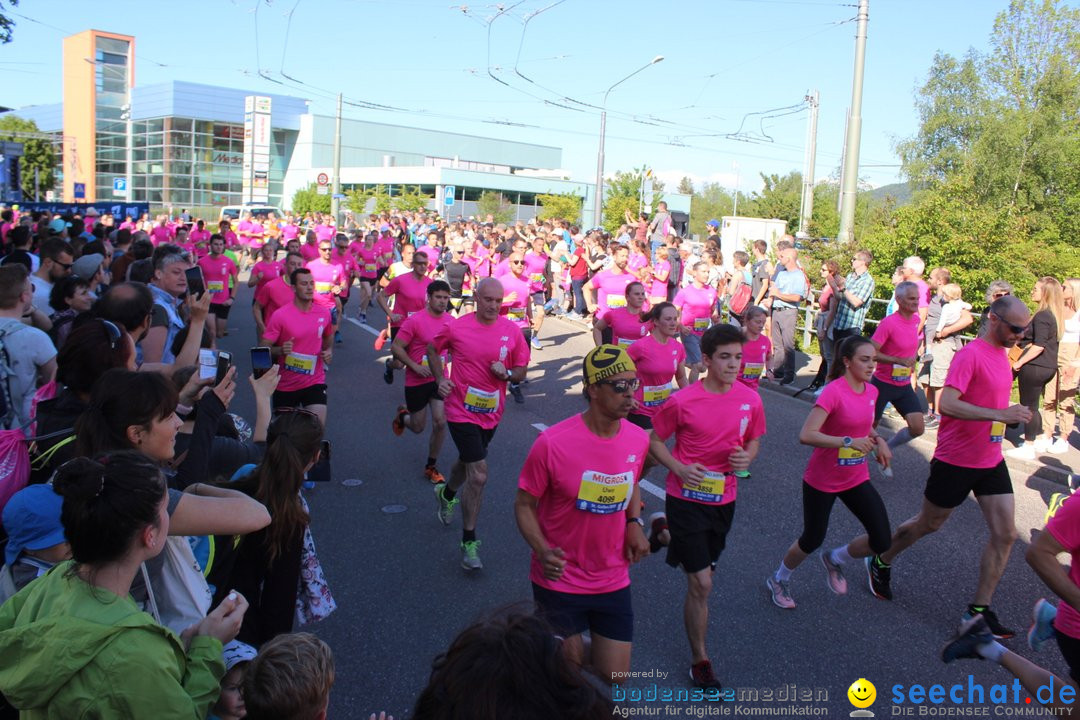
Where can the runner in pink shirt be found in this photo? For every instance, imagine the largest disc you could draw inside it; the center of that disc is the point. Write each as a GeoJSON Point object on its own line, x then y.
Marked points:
{"type": "Point", "coordinates": [627, 324]}
{"type": "Point", "coordinates": [578, 507]}
{"type": "Point", "coordinates": [289, 229]}
{"type": "Point", "coordinates": [897, 341]}
{"type": "Point", "coordinates": [225, 230]}
{"type": "Point", "coordinates": [276, 292]}
{"type": "Point", "coordinates": [610, 285]}
{"type": "Point", "coordinates": [975, 410]}
{"type": "Point", "coordinates": [421, 386]}
{"type": "Point", "coordinates": [385, 246]}
{"type": "Point", "coordinates": [697, 302]}
{"type": "Point", "coordinates": [367, 260]}
{"type": "Point", "coordinates": [757, 350]}
{"type": "Point", "coordinates": [200, 237]}
{"type": "Point", "coordinates": [301, 335]}
{"type": "Point", "coordinates": [661, 364]}
{"type": "Point", "coordinates": [161, 233]}
{"type": "Point", "coordinates": [329, 277]}
{"type": "Point", "coordinates": [518, 307]}
{"type": "Point", "coordinates": [410, 296]}
{"type": "Point", "coordinates": [310, 248]}
{"type": "Point", "coordinates": [266, 269]}
{"type": "Point", "coordinates": [717, 424]}
{"type": "Point", "coordinates": [538, 270]}
{"type": "Point", "coordinates": [129, 224]}
{"type": "Point", "coordinates": [840, 428]}
{"type": "Point", "coordinates": [343, 258]}
{"type": "Point", "coordinates": [487, 352]}
{"type": "Point", "coordinates": [658, 290]}
{"type": "Point", "coordinates": [218, 269]}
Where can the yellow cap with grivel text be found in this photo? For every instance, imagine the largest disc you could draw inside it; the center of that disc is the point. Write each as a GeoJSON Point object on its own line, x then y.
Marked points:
{"type": "Point", "coordinates": [606, 361]}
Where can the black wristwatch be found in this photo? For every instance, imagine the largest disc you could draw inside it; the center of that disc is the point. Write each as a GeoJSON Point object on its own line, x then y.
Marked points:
{"type": "Point", "coordinates": [637, 520]}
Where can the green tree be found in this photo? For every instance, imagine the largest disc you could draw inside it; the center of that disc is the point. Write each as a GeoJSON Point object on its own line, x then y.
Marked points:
{"type": "Point", "coordinates": [686, 186]}
{"type": "Point", "coordinates": [7, 25]}
{"type": "Point", "coordinates": [496, 205]}
{"type": "Point", "coordinates": [563, 206]}
{"type": "Point", "coordinates": [357, 200]}
{"type": "Point", "coordinates": [713, 201]}
{"type": "Point", "coordinates": [780, 198]}
{"type": "Point", "coordinates": [410, 199]}
{"type": "Point", "coordinates": [622, 194]}
{"type": "Point", "coordinates": [307, 200]}
{"type": "Point", "coordinates": [37, 153]}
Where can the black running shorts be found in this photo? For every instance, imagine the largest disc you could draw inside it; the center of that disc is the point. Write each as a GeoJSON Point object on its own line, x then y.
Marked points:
{"type": "Point", "coordinates": [698, 533]}
{"type": "Point", "coordinates": [948, 485]}
{"type": "Point", "coordinates": [471, 440]}
{"type": "Point", "coordinates": [609, 615]}
{"type": "Point", "coordinates": [417, 397]}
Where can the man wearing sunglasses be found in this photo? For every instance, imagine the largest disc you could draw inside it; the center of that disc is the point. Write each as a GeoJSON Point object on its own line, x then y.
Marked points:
{"type": "Point", "coordinates": [410, 296]}
{"type": "Point", "coordinates": [579, 507]}
{"type": "Point", "coordinates": [487, 352]}
{"type": "Point", "coordinates": [517, 306]}
{"type": "Point", "coordinates": [57, 259]}
{"type": "Point", "coordinates": [974, 412]}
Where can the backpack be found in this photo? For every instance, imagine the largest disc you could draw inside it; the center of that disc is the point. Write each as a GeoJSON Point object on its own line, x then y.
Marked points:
{"type": "Point", "coordinates": [7, 403]}
{"type": "Point", "coordinates": [740, 299]}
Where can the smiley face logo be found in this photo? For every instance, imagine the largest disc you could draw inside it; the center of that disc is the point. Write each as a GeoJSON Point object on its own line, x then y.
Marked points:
{"type": "Point", "coordinates": [862, 693]}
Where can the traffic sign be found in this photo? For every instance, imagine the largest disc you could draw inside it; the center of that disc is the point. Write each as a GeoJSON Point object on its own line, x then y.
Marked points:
{"type": "Point", "coordinates": [448, 195]}
{"type": "Point", "coordinates": [322, 190]}
{"type": "Point", "coordinates": [339, 196]}
{"type": "Point", "coordinates": [80, 191]}
{"type": "Point", "coordinates": [323, 179]}
{"type": "Point", "coordinates": [119, 186]}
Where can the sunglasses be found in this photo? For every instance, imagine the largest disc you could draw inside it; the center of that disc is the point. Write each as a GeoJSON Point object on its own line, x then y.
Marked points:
{"type": "Point", "coordinates": [517, 262]}
{"type": "Point", "coordinates": [324, 249]}
{"type": "Point", "coordinates": [621, 386]}
{"type": "Point", "coordinates": [1016, 329]}
{"type": "Point", "coordinates": [66, 266]}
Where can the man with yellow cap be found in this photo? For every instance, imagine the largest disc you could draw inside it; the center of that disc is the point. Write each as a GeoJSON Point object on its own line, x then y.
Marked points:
{"type": "Point", "coordinates": [579, 507]}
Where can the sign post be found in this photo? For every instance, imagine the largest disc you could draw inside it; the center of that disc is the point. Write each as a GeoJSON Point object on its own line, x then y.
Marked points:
{"type": "Point", "coordinates": [448, 196]}
{"type": "Point", "coordinates": [119, 187]}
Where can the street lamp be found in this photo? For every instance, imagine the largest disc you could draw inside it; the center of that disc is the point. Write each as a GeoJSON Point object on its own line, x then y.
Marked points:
{"type": "Point", "coordinates": [603, 129]}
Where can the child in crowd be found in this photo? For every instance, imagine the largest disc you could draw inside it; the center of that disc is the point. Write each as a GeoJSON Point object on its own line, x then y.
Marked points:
{"type": "Point", "coordinates": [230, 706]}
{"type": "Point", "coordinates": [757, 351]}
{"type": "Point", "coordinates": [953, 307]}
{"type": "Point", "coordinates": [290, 679]}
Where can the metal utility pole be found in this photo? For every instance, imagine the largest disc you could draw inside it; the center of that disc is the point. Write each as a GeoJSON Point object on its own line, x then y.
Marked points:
{"type": "Point", "coordinates": [849, 188]}
{"type": "Point", "coordinates": [806, 208]}
{"type": "Point", "coordinates": [335, 187]}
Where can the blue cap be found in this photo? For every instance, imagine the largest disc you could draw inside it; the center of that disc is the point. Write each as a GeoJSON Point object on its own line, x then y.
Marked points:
{"type": "Point", "coordinates": [713, 223]}
{"type": "Point", "coordinates": [32, 520]}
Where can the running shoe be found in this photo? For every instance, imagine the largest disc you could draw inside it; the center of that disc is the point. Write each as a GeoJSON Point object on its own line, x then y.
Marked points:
{"type": "Point", "coordinates": [1058, 447]}
{"type": "Point", "coordinates": [998, 630]}
{"type": "Point", "coordinates": [398, 425]}
{"type": "Point", "coordinates": [701, 674]}
{"type": "Point", "coordinates": [657, 525]}
{"type": "Point", "coordinates": [972, 633]}
{"type": "Point", "coordinates": [931, 421]}
{"type": "Point", "coordinates": [879, 577]}
{"type": "Point", "coordinates": [535, 342]}
{"type": "Point", "coordinates": [446, 507]}
{"type": "Point", "coordinates": [432, 473]}
{"type": "Point", "coordinates": [515, 390]}
{"type": "Point", "coordinates": [834, 575]}
{"type": "Point", "coordinates": [470, 560]}
{"type": "Point", "coordinates": [1042, 626]}
{"type": "Point", "coordinates": [388, 373]}
{"type": "Point", "coordinates": [362, 317]}
{"type": "Point", "coordinates": [1023, 451]}
{"type": "Point", "coordinates": [381, 340]}
{"type": "Point", "coordinates": [780, 592]}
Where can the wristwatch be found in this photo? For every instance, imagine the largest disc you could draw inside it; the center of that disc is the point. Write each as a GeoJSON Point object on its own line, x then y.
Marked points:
{"type": "Point", "coordinates": [847, 441]}
{"type": "Point", "coordinates": [637, 520]}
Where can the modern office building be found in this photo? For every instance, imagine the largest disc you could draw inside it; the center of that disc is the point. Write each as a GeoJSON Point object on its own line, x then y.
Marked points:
{"type": "Point", "coordinates": [187, 145]}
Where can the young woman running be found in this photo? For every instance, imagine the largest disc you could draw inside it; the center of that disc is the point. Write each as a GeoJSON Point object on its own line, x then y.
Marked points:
{"type": "Point", "coordinates": [628, 324]}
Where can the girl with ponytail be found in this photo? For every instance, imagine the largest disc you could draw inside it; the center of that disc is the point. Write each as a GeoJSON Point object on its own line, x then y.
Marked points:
{"type": "Point", "coordinates": [267, 566]}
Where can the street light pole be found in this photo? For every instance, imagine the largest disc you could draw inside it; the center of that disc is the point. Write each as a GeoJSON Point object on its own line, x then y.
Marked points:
{"type": "Point", "coordinates": [850, 186]}
{"type": "Point", "coordinates": [599, 200]}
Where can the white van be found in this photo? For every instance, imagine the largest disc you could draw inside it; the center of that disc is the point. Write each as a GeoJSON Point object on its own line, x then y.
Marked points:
{"type": "Point", "coordinates": [232, 213]}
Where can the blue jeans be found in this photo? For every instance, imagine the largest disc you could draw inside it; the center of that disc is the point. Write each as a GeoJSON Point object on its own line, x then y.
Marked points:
{"type": "Point", "coordinates": [579, 297]}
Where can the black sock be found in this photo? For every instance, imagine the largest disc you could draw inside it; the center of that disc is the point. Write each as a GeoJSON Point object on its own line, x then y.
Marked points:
{"type": "Point", "coordinates": [447, 493]}
{"type": "Point", "coordinates": [430, 462]}
{"type": "Point", "coordinates": [468, 536]}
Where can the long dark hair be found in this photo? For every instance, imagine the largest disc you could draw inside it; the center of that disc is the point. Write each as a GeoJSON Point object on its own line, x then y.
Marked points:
{"type": "Point", "coordinates": [292, 441]}
{"type": "Point", "coordinates": [120, 399]}
{"type": "Point", "coordinates": [845, 350]}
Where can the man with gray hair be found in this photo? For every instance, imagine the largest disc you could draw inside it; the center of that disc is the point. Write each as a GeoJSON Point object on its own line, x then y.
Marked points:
{"type": "Point", "coordinates": [997, 289]}
{"type": "Point", "coordinates": [853, 293]}
{"type": "Point", "coordinates": [913, 269]}
{"type": "Point", "coordinates": [168, 286]}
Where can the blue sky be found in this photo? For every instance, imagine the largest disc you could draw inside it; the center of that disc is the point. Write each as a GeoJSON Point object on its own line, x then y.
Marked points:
{"type": "Point", "coordinates": [535, 70]}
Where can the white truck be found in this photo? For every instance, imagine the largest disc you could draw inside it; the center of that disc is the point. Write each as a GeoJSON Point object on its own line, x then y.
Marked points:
{"type": "Point", "coordinates": [738, 233]}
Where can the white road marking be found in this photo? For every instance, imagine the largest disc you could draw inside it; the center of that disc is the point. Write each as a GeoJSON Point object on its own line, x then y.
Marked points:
{"type": "Point", "coordinates": [365, 326]}
{"type": "Point", "coordinates": [540, 426]}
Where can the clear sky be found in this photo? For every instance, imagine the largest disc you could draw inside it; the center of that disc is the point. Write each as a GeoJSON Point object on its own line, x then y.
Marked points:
{"type": "Point", "coordinates": [534, 70]}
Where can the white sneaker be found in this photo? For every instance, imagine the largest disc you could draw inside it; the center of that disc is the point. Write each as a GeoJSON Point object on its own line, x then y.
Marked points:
{"type": "Point", "coordinates": [1042, 444]}
{"type": "Point", "coordinates": [1025, 451]}
{"type": "Point", "coordinates": [1058, 447]}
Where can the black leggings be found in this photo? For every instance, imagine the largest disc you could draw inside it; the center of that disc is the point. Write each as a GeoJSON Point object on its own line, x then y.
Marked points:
{"type": "Point", "coordinates": [1032, 381]}
{"type": "Point", "coordinates": [864, 503]}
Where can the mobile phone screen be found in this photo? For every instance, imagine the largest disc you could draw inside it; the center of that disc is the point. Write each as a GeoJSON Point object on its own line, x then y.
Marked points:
{"type": "Point", "coordinates": [196, 286]}
{"type": "Point", "coordinates": [224, 362]}
{"type": "Point", "coordinates": [260, 360]}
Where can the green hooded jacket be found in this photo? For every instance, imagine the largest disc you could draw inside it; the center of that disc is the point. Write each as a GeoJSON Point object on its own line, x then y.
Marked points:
{"type": "Point", "coordinates": [69, 650]}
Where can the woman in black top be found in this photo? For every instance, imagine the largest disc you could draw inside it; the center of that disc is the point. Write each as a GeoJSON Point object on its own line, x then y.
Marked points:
{"type": "Point", "coordinates": [1037, 365]}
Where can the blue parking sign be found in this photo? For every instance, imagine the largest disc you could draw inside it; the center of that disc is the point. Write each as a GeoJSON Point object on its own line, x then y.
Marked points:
{"type": "Point", "coordinates": [80, 191]}
{"type": "Point", "coordinates": [448, 195]}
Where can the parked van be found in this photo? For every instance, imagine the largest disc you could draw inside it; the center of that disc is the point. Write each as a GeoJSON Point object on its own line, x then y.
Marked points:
{"type": "Point", "coordinates": [233, 213]}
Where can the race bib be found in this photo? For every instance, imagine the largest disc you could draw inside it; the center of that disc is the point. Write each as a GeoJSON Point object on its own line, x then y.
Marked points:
{"type": "Point", "coordinates": [537, 278]}
{"type": "Point", "coordinates": [753, 371]}
{"type": "Point", "coordinates": [656, 395]}
{"type": "Point", "coordinates": [300, 363]}
{"type": "Point", "coordinates": [444, 357]}
{"type": "Point", "coordinates": [466, 292]}
{"type": "Point", "coordinates": [849, 456]}
{"type": "Point", "coordinates": [604, 494]}
{"type": "Point", "coordinates": [371, 267]}
{"type": "Point", "coordinates": [901, 373]}
{"type": "Point", "coordinates": [324, 288]}
{"type": "Point", "coordinates": [701, 324]}
{"type": "Point", "coordinates": [626, 342]}
{"type": "Point", "coordinates": [483, 402]}
{"type": "Point", "coordinates": [711, 489]}
{"type": "Point", "coordinates": [215, 286]}
{"type": "Point", "coordinates": [997, 431]}
{"type": "Point", "coordinates": [615, 302]}
{"type": "Point", "coordinates": [516, 313]}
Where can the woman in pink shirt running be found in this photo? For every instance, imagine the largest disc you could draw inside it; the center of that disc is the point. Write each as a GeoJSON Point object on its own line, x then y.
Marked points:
{"type": "Point", "coordinates": [627, 324]}
{"type": "Point", "coordinates": [840, 428]}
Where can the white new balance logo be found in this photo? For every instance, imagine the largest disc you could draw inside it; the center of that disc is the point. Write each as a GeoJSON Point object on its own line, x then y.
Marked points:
{"type": "Point", "coordinates": [631, 458]}
{"type": "Point", "coordinates": [744, 407]}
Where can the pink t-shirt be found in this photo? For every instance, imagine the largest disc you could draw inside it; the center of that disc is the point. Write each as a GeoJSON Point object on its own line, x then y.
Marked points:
{"type": "Point", "coordinates": [611, 289]}
{"type": "Point", "coordinates": [160, 234]}
{"type": "Point", "coordinates": [516, 310]}
{"type": "Point", "coordinates": [325, 232]}
{"type": "Point", "coordinates": [230, 239]}
{"type": "Point", "coordinates": [416, 332]}
{"type": "Point", "coordinates": [348, 266]}
{"type": "Point", "coordinates": [432, 254]}
{"type": "Point", "coordinates": [199, 236]}
{"type": "Point", "coordinates": [478, 396]}
{"type": "Point", "coordinates": [367, 260]}
{"type": "Point", "coordinates": [501, 268]}
{"type": "Point", "coordinates": [661, 268]}
{"type": "Point", "coordinates": [410, 295]}
{"type": "Point", "coordinates": [326, 276]}
{"type": "Point", "coordinates": [755, 355]}
{"type": "Point", "coordinates": [289, 232]}
{"type": "Point", "coordinates": [982, 374]}
{"type": "Point", "coordinates": [707, 426]}
{"type": "Point", "coordinates": [656, 365]}
{"type": "Point", "coordinates": [310, 251]}
{"type": "Point", "coordinates": [899, 337]}
{"type": "Point", "coordinates": [273, 295]}
{"type": "Point", "coordinates": [267, 270]}
{"type": "Point", "coordinates": [697, 306]}
{"type": "Point", "coordinates": [584, 483]}
{"type": "Point", "coordinates": [385, 246]}
{"type": "Point", "coordinates": [1065, 528]}
{"type": "Point", "coordinates": [636, 262]}
{"type": "Point", "coordinates": [304, 366]}
{"type": "Point", "coordinates": [626, 327]}
{"type": "Point", "coordinates": [481, 263]}
{"type": "Point", "coordinates": [535, 265]}
{"type": "Point", "coordinates": [255, 235]}
{"type": "Point", "coordinates": [216, 274]}
{"type": "Point", "coordinates": [851, 414]}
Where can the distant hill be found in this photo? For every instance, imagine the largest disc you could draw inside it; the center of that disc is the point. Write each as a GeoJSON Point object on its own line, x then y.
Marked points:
{"type": "Point", "coordinates": [900, 192]}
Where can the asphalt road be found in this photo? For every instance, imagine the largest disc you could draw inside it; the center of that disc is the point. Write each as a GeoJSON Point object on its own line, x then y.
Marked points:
{"type": "Point", "coordinates": [402, 595]}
